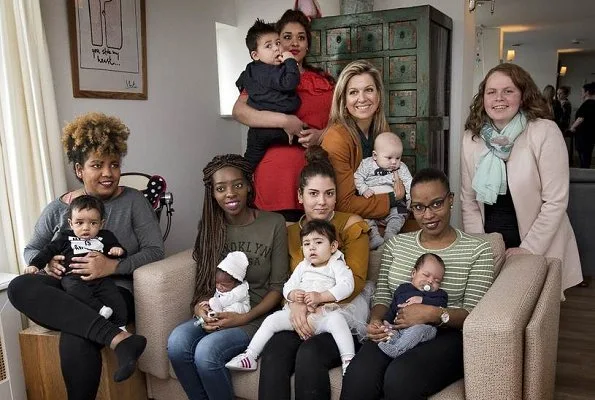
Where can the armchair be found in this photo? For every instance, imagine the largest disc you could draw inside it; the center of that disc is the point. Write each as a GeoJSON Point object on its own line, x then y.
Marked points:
{"type": "Point", "coordinates": [510, 338]}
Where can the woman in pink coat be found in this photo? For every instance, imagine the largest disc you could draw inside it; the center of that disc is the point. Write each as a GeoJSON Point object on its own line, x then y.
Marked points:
{"type": "Point", "coordinates": [515, 174]}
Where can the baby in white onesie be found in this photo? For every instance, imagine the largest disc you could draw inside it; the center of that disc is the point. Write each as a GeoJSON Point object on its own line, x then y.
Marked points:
{"type": "Point", "coordinates": [320, 281]}
{"type": "Point", "coordinates": [231, 292]}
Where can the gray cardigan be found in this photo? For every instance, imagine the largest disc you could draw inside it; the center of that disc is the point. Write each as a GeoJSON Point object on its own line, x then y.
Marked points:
{"type": "Point", "coordinates": [130, 218]}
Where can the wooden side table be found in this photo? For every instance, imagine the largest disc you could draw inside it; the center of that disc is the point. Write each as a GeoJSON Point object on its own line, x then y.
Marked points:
{"type": "Point", "coordinates": [43, 378]}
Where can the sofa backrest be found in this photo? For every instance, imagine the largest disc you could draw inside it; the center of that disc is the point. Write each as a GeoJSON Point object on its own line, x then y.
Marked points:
{"type": "Point", "coordinates": [494, 239]}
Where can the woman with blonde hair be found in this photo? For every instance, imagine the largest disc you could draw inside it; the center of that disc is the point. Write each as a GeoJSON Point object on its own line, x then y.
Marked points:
{"type": "Point", "coordinates": [514, 167]}
{"type": "Point", "coordinates": [357, 117]}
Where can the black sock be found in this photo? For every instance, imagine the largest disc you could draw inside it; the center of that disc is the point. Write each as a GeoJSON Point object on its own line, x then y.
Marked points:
{"type": "Point", "coordinates": [128, 351]}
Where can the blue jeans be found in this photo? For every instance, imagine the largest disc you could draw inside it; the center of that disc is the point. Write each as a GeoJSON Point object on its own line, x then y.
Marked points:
{"type": "Point", "coordinates": [199, 358]}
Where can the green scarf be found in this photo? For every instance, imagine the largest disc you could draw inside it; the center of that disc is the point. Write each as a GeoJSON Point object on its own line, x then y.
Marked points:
{"type": "Point", "coordinates": [490, 174]}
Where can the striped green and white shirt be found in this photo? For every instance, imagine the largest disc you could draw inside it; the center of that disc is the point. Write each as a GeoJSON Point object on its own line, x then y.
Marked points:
{"type": "Point", "coordinates": [469, 268]}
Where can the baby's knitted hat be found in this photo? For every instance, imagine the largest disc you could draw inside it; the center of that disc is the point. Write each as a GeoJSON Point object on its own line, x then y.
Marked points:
{"type": "Point", "coordinates": [235, 264]}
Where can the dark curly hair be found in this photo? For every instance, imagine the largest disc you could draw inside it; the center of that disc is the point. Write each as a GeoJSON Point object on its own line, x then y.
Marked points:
{"type": "Point", "coordinates": [211, 237]}
{"type": "Point", "coordinates": [298, 17]}
{"type": "Point", "coordinates": [256, 31]}
{"type": "Point", "coordinates": [94, 133]}
{"type": "Point", "coordinates": [533, 104]}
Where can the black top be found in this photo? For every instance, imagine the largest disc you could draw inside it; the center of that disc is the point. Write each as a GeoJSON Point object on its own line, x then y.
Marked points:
{"type": "Point", "coordinates": [367, 143]}
{"type": "Point", "coordinates": [69, 245]}
{"type": "Point", "coordinates": [585, 132]}
{"type": "Point", "coordinates": [564, 122]}
{"type": "Point", "coordinates": [271, 87]}
{"type": "Point", "coordinates": [439, 298]}
{"type": "Point", "coordinates": [501, 218]}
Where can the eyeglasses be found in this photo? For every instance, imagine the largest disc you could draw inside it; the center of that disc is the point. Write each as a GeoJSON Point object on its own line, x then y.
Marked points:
{"type": "Point", "coordinates": [437, 205]}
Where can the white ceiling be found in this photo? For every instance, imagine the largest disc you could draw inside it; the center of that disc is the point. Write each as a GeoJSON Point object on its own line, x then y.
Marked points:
{"type": "Point", "coordinates": [549, 24]}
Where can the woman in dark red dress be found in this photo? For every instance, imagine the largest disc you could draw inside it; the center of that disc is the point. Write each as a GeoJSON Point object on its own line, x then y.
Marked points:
{"type": "Point", "coordinates": [276, 177]}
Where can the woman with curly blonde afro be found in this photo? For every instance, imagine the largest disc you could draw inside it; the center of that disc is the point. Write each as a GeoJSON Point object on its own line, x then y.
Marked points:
{"type": "Point", "coordinates": [95, 145]}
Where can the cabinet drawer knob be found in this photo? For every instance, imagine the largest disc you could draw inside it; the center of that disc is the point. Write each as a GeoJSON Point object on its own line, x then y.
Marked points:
{"type": "Point", "coordinates": [370, 37]}
{"type": "Point", "coordinates": [402, 103]}
{"type": "Point", "coordinates": [403, 69]}
{"type": "Point", "coordinates": [338, 39]}
{"type": "Point", "coordinates": [402, 35]}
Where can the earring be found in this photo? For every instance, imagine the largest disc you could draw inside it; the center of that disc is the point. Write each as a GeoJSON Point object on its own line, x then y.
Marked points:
{"type": "Point", "coordinates": [451, 206]}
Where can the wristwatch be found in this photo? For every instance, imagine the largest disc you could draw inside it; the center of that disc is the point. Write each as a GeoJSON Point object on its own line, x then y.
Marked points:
{"type": "Point", "coordinates": [444, 316]}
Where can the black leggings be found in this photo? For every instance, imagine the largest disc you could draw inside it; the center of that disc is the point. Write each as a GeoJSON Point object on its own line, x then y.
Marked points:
{"type": "Point", "coordinates": [284, 354]}
{"type": "Point", "coordinates": [417, 374]}
{"type": "Point", "coordinates": [83, 331]}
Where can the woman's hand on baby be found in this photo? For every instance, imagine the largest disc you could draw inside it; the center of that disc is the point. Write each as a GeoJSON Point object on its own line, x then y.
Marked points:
{"type": "Point", "coordinates": [293, 125]}
{"type": "Point", "coordinates": [299, 320]}
{"type": "Point", "coordinates": [55, 267]}
{"type": "Point", "coordinates": [309, 137]}
{"type": "Point", "coordinates": [93, 266]}
{"type": "Point", "coordinates": [31, 269]}
{"type": "Point", "coordinates": [224, 320]}
{"type": "Point", "coordinates": [379, 331]}
{"type": "Point", "coordinates": [411, 300]}
{"type": "Point", "coordinates": [414, 314]}
{"type": "Point", "coordinates": [398, 186]}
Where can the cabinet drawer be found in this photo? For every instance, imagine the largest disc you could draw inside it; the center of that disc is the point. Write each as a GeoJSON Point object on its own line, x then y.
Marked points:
{"type": "Point", "coordinates": [403, 69]}
{"type": "Point", "coordinates": [410, 161]}
{"type": "Point", "coordinates": [334, 68]}
{"type": "Point", "coordinates": [402, 35]}
{"type": "Point", "coordinates": [338, 41]}
{"type": "Point", "coordinates": [407, 134]}
{"type": "Point", "coordinates": [369, 38]}
{"type": "Point", "coordinates": [402, 103]}
{"type": "Point", "coordinates": [314, 49]}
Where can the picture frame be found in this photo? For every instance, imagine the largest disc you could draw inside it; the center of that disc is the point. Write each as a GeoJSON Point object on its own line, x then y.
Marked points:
{"type": "Point", "coordinates": [108, 49]}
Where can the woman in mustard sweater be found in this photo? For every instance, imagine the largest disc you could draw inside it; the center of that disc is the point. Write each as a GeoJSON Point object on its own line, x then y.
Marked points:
{"type": "Point", "coordinates": [357, 117]}
{"type": "Point", "coordinates": [311, 356]}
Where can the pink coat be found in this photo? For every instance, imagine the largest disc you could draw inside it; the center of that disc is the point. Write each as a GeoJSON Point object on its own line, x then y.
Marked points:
{"type": "Point", "coordinates": [538, 180]}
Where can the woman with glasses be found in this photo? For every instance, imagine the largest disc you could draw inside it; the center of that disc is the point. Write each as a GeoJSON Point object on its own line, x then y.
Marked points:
{"type": "Point", "coordinates": [514, 167]}
{"type": "Point", "coordinates": [435, 364]}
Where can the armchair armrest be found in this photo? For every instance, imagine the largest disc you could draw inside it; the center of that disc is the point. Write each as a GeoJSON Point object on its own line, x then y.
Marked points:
{"type": "Point", "coordinates": [494, 332]}
{"type": "Point", "coordinates": [163, 291]}
{"type": "Point", "coordinates": [541, 338]}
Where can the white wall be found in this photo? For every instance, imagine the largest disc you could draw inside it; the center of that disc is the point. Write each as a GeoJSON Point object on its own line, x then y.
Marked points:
{"type": "Point", "coordinates": [463, 58]}
{"type": "Point", "coordinates": [178, 129]}
{"type": "Point", "coordinates": [488, 46]}
{"type": "Point", "coordinates": [540, 64]}
{"type": "Point", "coordinates": [581, 70]}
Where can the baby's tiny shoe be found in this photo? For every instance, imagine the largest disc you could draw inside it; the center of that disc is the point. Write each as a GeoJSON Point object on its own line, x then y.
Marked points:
{"type": "Point", "coordinates": [345, 365]}
{"type": "Point", "coordinates": [242, 362]}
{"type": "Point", "coordinates": [106, 312]}
{"type": "Point", "coordinates": [376, 241]}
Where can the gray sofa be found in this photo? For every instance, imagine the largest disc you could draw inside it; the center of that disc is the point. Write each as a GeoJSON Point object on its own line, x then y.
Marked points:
{"type": "Point", "coordinates": [581, 211]}
{"type": "Point", "coordinates": [510, 338]}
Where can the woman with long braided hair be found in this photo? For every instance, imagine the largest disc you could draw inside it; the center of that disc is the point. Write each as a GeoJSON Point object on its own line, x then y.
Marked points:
{"type": "Point", "coordinates": [229, 223]}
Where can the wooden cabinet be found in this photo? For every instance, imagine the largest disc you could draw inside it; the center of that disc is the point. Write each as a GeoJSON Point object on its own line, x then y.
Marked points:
{"type": "Point", "coordinates": [411, 47]}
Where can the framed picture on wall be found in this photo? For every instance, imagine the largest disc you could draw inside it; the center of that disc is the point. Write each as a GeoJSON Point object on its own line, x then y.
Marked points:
{"type": "Point", "coordinates": [108, 49]}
